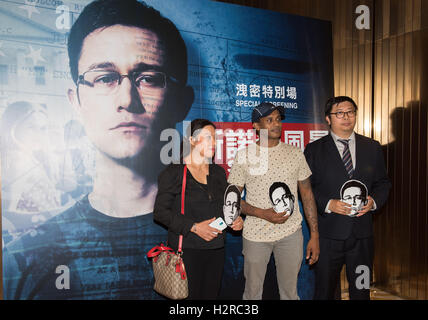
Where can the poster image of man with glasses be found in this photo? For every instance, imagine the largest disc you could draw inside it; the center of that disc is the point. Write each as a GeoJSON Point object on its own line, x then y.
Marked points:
{"type": "Point", "coordinates": [129, 67]}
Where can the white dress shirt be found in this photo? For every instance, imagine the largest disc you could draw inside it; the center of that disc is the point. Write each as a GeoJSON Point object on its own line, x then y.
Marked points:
{"type": "Point", "coordinates": [341, 147]}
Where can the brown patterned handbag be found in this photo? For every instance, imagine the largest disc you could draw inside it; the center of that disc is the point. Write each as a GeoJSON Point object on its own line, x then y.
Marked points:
{"type": "Point", "coordinates": [168, 267]}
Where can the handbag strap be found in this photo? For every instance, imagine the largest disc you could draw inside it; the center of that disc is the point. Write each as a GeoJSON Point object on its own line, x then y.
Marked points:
{"type": "Point", "coordinates": [183, 191]}
{"type": "Point", "coordinates": [155, 251]}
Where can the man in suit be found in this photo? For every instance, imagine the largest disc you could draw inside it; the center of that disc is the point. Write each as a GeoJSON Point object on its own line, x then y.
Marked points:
{"type": "Point", "coordinates": [335, 159]}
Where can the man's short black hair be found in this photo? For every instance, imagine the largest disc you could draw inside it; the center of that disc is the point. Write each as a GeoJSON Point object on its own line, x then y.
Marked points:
{"type": "Point", "coordinates": [106, 13]}
{"type": "Point", "coordinates": [332, 101]}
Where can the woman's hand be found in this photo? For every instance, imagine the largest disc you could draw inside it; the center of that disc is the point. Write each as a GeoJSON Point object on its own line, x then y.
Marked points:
{"type": "Point", "coordinates": [203, 230]}
{"type": "Point", "coordinates": [238, 224]}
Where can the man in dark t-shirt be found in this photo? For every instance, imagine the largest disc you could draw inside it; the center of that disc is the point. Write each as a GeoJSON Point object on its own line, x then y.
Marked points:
{"type": "Point", "coordinates": [83, 254]}
{"type": "Point", "coordinates": [129, 65]}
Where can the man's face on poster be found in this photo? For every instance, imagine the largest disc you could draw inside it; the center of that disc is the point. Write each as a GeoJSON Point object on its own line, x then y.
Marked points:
{"type": "Point", "coordinates": [231, 208]}
{"type": "Point", "coordinates": [282, 202]}
{"type": "Point", "coordinates": [120, 121]}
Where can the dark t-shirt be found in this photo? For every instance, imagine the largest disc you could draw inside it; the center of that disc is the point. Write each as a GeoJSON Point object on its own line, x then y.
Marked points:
{"type": "Point", "coordinates": [83, 254]}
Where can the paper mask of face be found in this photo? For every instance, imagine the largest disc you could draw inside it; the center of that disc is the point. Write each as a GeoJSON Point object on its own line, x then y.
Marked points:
{"type": "Point", "coordinates": [354, 193]}
{"type": "Point", "coordinates": [281, 198]}
{"type": "Point", "coordinates": [231, 207]}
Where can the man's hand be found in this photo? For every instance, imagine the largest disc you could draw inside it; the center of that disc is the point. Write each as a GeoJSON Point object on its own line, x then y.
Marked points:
{"type": "Point", "coordinates": [266, 214]}
{"type": "Point", "coordinates": [273, 217]}
{"type": "Point", "coordinates": [339, 207]}
{"type": "Point", "coordinates": [367, 207]}
{"type": "Point", "coordinates": [313, 250]}
{"type": "Point", "coordinates": [238, 224]}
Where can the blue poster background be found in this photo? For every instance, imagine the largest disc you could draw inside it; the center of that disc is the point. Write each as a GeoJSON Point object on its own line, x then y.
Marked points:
{"type": "Point", "coordinates": [231, 44]}
{"type": "Point", "coordinates": [238, 56]}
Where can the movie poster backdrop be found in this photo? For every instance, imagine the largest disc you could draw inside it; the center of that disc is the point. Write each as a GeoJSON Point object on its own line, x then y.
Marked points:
{"type": "Point", "coordinates": [238, 57]}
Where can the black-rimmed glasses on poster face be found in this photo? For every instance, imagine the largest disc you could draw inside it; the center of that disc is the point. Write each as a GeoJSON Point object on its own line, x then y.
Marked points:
{"type": "Point", "coordinates": [341, 114]}
{"type": "Point", "coordinates": [104, 82]}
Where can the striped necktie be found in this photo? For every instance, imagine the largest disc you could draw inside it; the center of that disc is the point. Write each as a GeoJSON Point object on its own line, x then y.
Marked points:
{"type": "Point", "coordinates": [346, 158]}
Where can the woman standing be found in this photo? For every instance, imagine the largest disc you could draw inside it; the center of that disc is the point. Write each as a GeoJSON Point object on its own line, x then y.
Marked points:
{"type": "Point", "coordinates": [203, 246]}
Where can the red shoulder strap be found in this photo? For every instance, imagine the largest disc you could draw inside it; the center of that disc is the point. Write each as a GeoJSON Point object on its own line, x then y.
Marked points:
{"type": "Point", "coordinates": [183, 191]}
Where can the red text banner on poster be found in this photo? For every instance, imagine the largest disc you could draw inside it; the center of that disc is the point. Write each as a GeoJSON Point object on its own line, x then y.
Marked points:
{"type": "Point", "coordinates": [231, 136]}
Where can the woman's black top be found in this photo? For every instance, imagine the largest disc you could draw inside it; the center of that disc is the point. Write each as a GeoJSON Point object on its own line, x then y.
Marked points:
{"type": "Point", "coordinates": [202, 202]}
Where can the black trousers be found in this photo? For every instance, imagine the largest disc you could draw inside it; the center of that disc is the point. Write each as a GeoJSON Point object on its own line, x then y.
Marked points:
{"type": "Point", "coordinates": [204, 270]}
{"type": "Point", "coordinates": [357, 255]}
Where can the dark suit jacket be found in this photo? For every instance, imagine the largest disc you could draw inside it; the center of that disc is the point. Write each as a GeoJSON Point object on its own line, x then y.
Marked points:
{"type": "Point", "coordinates": [329, 174]}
